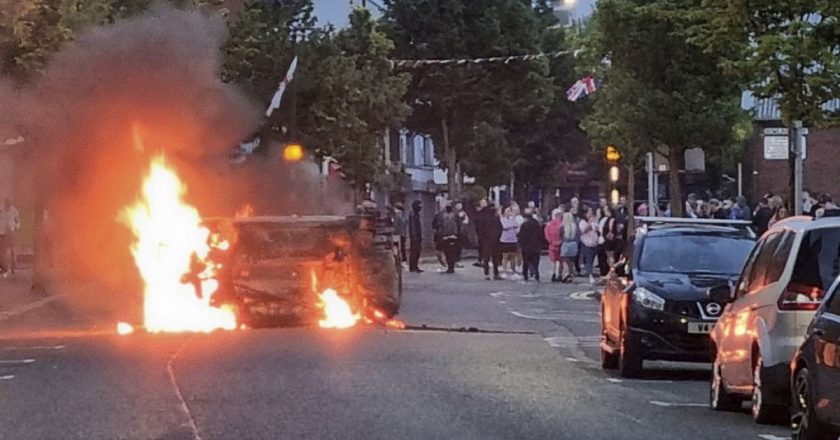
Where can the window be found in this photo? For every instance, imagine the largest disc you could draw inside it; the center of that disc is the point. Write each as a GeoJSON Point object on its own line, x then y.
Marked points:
{"type": "Point", "coordinates": [817, 259]}
{"type": "Point", "coordinates": [834, 301]}
{"type": "Point", "coordinates": [753, 272]}
{"type": "Point", "coordinates": [695, 253]}
{"type": "Point", "coordinates": [777, 263]}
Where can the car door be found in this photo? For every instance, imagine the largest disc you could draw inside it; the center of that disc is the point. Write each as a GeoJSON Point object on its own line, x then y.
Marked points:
{"type": "Point", "coordinates": [740, 315]}
{"type": "Point", "coordinates": [825, 337]}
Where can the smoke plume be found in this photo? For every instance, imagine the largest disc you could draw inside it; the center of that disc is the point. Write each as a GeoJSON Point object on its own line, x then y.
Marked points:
{"type": "Point", "coordinates": [114, 98]}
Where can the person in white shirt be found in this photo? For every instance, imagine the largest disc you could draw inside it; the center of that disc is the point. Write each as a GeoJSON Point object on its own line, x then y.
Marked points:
{"type": "Point", "coordinates": [9, 225]}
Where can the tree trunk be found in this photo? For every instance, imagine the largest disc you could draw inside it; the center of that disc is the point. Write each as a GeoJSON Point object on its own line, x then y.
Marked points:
{"type": "Point", "coordinates": [452, 165]}
{"type": "Point", "coordinates": [674, 181]}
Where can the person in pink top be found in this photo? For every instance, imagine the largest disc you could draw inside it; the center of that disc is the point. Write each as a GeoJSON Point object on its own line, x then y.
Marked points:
{"type": "Point", "coordinates": [555, 240]}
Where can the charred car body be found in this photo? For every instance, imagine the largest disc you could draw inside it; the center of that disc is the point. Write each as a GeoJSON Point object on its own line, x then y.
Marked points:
{"type": "Point", "coordinates": [274, 268]}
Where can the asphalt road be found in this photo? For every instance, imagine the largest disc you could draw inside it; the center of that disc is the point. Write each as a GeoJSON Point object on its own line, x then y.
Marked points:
{"type": "Point", "coordinates": [529, 373]}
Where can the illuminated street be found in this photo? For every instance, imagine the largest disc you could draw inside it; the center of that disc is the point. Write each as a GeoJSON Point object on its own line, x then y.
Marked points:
{"type": "Point", "coordinates": [537, 378]}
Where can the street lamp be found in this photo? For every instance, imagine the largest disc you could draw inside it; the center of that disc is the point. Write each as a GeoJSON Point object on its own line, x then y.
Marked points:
{"type": "Point", "coordinates": [293, 153]}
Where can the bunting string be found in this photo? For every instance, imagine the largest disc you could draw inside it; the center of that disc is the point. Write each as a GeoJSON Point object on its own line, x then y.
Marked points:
{"type": "Point", "coordinates": [413, 64]}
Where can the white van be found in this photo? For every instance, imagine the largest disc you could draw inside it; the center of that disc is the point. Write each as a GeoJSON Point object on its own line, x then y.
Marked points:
{"type": "Point", "coordinates": [767, 314]}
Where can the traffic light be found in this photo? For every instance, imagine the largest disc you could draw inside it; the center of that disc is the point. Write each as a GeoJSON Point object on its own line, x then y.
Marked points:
{"type": "Point", "coordinates": [293, 153]}
{"type": "Point", "coordinates": [612, 154]}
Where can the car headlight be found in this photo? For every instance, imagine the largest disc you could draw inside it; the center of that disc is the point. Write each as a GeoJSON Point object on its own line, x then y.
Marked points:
{"type": "Point", "coordinates": [648, 299]}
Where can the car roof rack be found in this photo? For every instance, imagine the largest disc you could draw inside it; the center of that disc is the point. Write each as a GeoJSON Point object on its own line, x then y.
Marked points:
{"type": "Point", "coordinates": [656, 222]}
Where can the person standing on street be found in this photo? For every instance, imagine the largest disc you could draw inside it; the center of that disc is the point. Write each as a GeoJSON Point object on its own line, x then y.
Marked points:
{"type": "Point", "coordinates": [463, 230]}
{"type": "Point", "coordinates": [10, 218]}
{"type": "Point", "coordinates": [531, 242]}
{"type": "Point", "coordinates": [509, 243]}
{"type": "Point", "coordinates": [569, 250]}
{"type": "Point", "coordinates": [415, 234]}
{"type": "Point", "coordinates": [589, 242]}
{"type": "Point", "coordinates": [763, 213]}
{"type": "Point", "coordinates": [450, 237]}
{"type": "Point", "coordinates": [488, 228]}
{"type": "Point", "coordinates": [553, 235]}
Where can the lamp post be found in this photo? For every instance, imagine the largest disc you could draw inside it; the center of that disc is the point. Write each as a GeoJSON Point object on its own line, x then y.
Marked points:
{"type": "Point", "coordinates": [612, 155]}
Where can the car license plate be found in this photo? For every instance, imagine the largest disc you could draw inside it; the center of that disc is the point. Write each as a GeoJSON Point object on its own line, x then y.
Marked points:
{"type": "Point", "coordinates": [700, 328]}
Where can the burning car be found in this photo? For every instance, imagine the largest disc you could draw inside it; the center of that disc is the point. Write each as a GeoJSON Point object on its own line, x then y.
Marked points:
{"type": "Point", "coordinates": [285, 270]}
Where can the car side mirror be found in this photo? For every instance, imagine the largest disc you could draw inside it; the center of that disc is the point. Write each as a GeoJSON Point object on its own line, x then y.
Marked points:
{"type": "Point", "coordinates": [721, 294]}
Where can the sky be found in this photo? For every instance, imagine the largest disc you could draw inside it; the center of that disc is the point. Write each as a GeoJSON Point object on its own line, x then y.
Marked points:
{"type": "Point", "coordinates": [336, 11]}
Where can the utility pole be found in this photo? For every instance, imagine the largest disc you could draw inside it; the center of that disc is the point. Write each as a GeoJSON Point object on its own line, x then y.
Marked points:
{"type": "Point", "coordinates": [651, 184]}
{"type": "Point", "coordinates": [797, 133]}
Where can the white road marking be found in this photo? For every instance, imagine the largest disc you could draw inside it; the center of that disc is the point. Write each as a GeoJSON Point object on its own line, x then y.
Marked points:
{"type": "Point", "coordinates": [616, 380]}
{"type": "Point", "coordinates": [28, 307]}
{"type": "Point", "coordinates": [502, 302]}
{"type": "Point", "coordinates": [16, 361]}
{"type": "Point", "coordinates": [571, 359]}
{"type": "Point", "coordinates": [569, 316]}
{"type": "Point", "coordinates": [184, 407]}
{"type": "Point", "coordinates": [7, 377]}
{"type": "Point", "coordinates": [567, 341]}
{"type": "Point", "coordinates": [673, 404]}
{"type": "Point", "coordinates": [498, 294]}
{"type": "Point", "coordinates": [36, 348]}
{"type": "Point", "coordinates": [772, 437]}
{"type": "Point", "coordinates": [584, 295]}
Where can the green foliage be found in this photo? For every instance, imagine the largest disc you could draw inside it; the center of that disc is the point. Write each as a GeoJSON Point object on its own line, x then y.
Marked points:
{"type": "Point", "coordinates": [486, 119]}
{"type": "Point", "coordinates": [345, 94]}
{"type": "Point", "coordinates": [783, 50]}
{"type": "Point", "coordinates": [660, 89]}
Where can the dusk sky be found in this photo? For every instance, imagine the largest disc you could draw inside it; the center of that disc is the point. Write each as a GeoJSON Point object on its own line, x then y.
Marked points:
{"type": "Point", "coordinates": [336, 11]}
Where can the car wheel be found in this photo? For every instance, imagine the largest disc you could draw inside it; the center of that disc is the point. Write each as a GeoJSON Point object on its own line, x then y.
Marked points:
{"type": "Point", "coordinates": [609, 361]}
{"type": "Point", "coordinates": [629, 361]}
{"type": "Point", "coordinates": [719, 398]}
{"type": "Point", "coordinates": [763, 413]}
{"type": "Point", "coordinates": [804, 423]}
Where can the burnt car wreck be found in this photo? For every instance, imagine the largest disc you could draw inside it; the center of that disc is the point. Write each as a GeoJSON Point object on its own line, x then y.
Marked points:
{"type": "Point", "coordinates": [272, 269]}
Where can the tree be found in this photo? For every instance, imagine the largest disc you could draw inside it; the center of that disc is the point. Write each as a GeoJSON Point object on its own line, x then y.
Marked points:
{"type": "Point", "coordinates": [345, 94]}
{"type": "Point", "coordinates": [669, 93]}
{"type": "Point", "coordinates": [459, 104]}
{"type": "Point", "coordinates": [788, 51]}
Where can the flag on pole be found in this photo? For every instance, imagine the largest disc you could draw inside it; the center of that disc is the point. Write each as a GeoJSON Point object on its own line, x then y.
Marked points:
{"type": "Point", "coordinates": [582, 87]}
{"type": "Point", "coordinates": [278, 95]}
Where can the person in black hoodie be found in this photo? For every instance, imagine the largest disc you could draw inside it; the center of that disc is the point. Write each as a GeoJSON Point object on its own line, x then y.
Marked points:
{"type": "Point", "coordinates": [415, 234]}
{"type": "Point", "coordinates": [488, 228]}
{"type": "Point", "coordinates": [762, 216]}
{"type": "Point", "coordinates": [531, 243]}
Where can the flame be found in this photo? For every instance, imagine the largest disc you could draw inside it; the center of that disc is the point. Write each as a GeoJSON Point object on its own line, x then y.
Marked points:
{"type": "Point", "coordinates": [170, 251]}
{"type": "Point", "coordinates": [337, 312]}
{"type": "Point", "coordinates": [124, 328]}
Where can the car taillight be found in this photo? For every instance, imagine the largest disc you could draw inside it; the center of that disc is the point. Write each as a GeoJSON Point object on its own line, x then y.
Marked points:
{"type": "Point", "coordinates": [801, 297]}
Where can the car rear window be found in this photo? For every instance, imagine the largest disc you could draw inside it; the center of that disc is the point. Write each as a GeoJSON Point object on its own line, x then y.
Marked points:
{"type": "Point", "coordinates": [695, 254]}
{"type": "Point", "coordinates": [817, 260]}
{"type": "Point", "coordinates": [269, 240]}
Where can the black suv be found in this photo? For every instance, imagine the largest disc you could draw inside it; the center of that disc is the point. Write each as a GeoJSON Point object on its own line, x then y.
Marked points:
{"type": "Point", "coordinates": [815, 378]}
{"type": "Point", "coordinates": [656, 305]}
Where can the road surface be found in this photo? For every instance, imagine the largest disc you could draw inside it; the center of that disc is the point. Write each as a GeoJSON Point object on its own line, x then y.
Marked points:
{"type": "Point", "coordinates": [529, 372]}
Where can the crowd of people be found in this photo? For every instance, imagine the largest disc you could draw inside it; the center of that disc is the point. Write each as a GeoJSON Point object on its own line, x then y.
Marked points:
{"type": "Point", "coordinates": [510, 240]}
{"type": "Point", "coordinates": [580, 239]}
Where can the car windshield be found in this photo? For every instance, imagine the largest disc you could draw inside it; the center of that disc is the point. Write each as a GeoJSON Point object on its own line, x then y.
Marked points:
{"type": "Point", "coordinates": [695, 254]}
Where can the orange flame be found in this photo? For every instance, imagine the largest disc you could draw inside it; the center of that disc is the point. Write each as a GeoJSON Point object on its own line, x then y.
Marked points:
{"type": "Point", "coordinates": [124, 328]}
{"type": "Point", "coordinates": [337, 312]}
{"type": "Point", "coordinates": [170, 251]}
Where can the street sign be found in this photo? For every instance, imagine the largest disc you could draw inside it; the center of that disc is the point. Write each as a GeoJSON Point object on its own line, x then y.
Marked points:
{"type": "Point", "coordinates": [776, 147]}
{"type": "Point", "coordinates": [775, 131]}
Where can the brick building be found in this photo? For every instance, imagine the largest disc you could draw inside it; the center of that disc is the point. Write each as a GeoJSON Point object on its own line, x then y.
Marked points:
{"type": "Point", "coordinates": [820, 166]}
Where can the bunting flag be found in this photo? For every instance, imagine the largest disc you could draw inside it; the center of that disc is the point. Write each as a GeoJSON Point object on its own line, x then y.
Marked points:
{"type": "Point", "coordinates": [582, 87]}
{"type": "Point", "coordinates": [278, 96]}
{"type": "Point", "coordinates": [413, 64]}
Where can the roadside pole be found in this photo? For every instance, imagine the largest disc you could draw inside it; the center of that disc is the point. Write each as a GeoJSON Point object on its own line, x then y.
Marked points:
{"type": "Point", "coordinates": [652, 208]}
{"type": "Point", "coordinates": [740, 179]}
{"type": "Point", "coordinates": [797, 167]}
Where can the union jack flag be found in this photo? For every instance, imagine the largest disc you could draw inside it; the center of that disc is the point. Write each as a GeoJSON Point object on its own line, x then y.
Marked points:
{"type": "Point", "coordinates": [582, 87]}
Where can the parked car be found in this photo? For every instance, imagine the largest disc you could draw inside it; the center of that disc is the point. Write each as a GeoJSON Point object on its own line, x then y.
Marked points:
{"type": "Point", "coordinates": [815, 378]}
{"type": "Point", "coordinates": [767, 314]}
{"type": "Point", "coordinates": [656, 306]}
